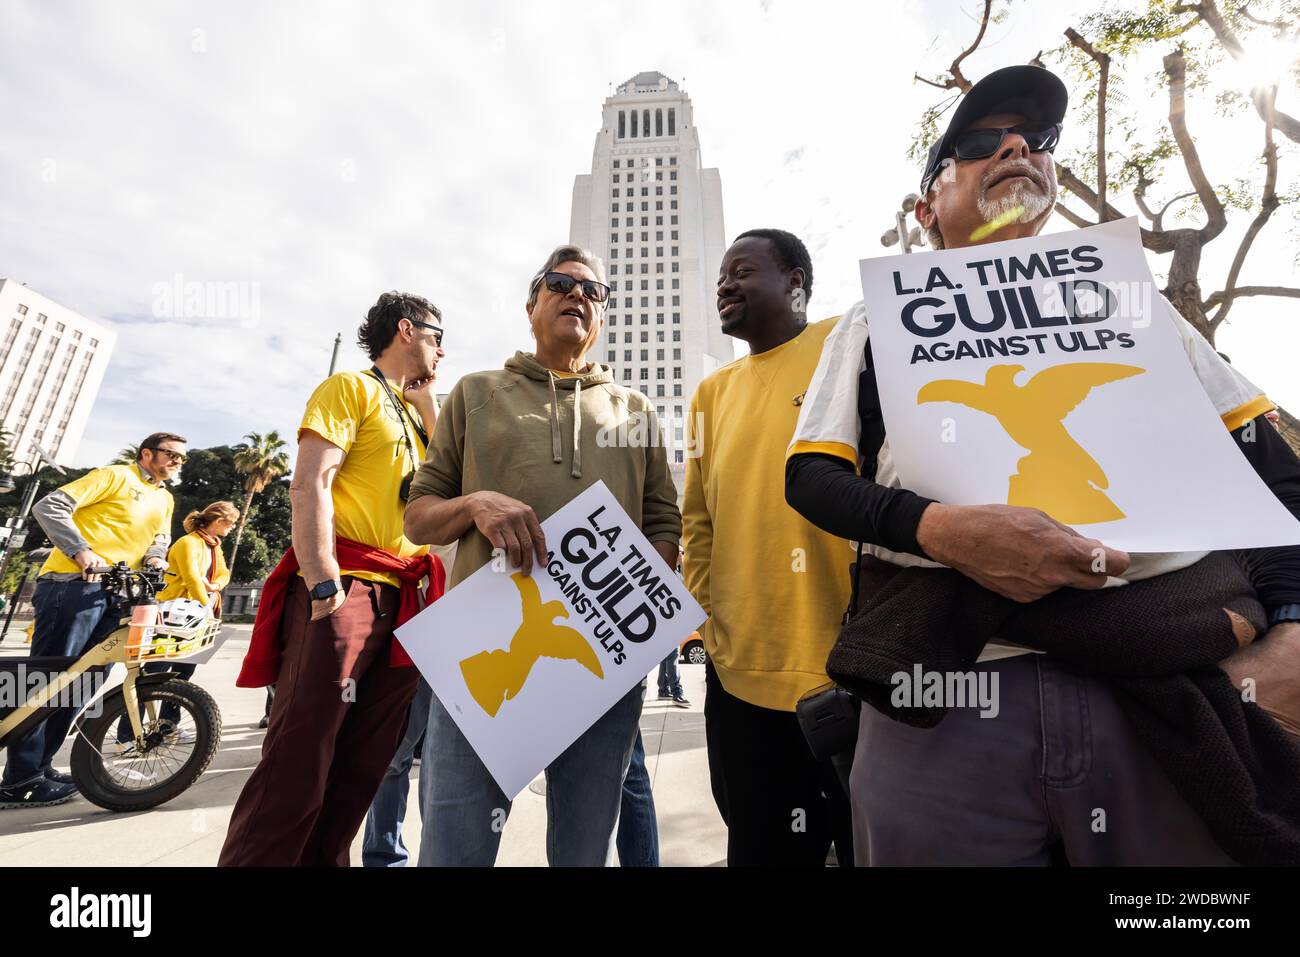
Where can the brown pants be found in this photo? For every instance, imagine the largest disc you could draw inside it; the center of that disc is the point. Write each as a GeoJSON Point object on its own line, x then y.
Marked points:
{"type": "Point", "coordinates": [338, 714]}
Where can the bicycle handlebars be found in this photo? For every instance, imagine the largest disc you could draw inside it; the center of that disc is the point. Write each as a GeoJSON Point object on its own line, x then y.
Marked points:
{"type": "Point", "coordinates": [132, 584]}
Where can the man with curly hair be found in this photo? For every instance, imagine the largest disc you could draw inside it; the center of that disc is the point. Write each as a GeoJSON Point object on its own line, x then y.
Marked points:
{"type": "Point", "coordinates": [324, 630]}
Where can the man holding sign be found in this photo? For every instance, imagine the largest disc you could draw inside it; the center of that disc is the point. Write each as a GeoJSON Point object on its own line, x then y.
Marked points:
{"type": "Point", "coordinates": [515, 447]}
{"type": "Point", "coordinates": [983, 357]}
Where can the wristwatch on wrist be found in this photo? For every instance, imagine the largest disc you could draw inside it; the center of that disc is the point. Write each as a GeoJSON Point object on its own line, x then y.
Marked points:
{"type": "Point", "coordinates": [1288, 612]}
{"type": "Point", "coordinates": [325, 589]}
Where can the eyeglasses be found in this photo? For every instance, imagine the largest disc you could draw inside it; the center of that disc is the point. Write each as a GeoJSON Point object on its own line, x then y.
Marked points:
{"type": "Point", "coordinates": [977, 144]}
{"type": "Point", "coordinates": [563, 284]}
{"type": "Point", "coordinates": [177, 457]}
{"type": "Point", "coordinates": [428, 325]}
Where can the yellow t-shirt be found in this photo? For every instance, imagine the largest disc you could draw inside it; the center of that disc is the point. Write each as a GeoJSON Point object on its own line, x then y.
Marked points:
{"type": "Point", "coordinates": [118, 513]}
{"type": "Point", "coordinates": [188, 564]}
{"type": "Point", "coordinates": [776, 586]}
{"type": "Point", "coordinates": [352, 410]}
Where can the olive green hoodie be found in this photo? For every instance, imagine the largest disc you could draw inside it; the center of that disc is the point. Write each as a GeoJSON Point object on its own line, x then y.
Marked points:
{"type": "Point", "coordinates": [542, 437]}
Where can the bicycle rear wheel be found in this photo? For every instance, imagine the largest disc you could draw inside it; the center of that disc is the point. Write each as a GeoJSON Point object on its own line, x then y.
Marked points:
{"type": "Point", "coordinates": [175, 752]}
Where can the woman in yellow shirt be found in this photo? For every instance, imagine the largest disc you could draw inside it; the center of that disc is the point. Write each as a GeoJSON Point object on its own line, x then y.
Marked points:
{"type": "Point", "coordinates": [196, 569]}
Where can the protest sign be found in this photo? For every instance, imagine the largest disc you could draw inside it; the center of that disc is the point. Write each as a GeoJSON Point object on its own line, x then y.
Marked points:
{"type": "Point", "coordinates": [524, 665]}
{"type": "Point", "coordinates": [1048, 372]}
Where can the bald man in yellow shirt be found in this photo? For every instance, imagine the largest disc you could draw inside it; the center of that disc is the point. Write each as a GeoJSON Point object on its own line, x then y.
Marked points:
{"type": "Point", "coordinates": [773, 584]}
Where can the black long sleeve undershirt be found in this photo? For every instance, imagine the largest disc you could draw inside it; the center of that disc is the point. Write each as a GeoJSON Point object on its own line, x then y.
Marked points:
{"type": "Point", "coordinates": [1274, 572]}
{"type": "Point", "coordinates": [829, 493]}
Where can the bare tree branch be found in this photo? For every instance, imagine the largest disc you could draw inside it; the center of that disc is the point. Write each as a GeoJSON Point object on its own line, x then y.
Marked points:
{"type": "Point", "coordinates": [956, 80]}
{"type": "Point", "coordinates": [1279, 25]}
{"type": "Point", "coordinates": [1140, 197]}
{"type": "Point", "coordinates": [1268, 203]}
{"type": "Point", "coordinates": [1156, 241]}
{"type": "Point", "coordinates": [1216, 218]}
{"type": "Point", "coordinates": [1285, 292]}
{"type": "Point", "coordinates": [1072, 216]}
{"type": "Point", "coordinates": [955, 69]}
{"type": "Point", "coordinates": [1103, 64]}
{"type": "Point", "coordinates": [1165, 208]}
{"type": "Point", "coordinates": [1209, 14]}
{"type": "Point", "coordinates": [939, 86]}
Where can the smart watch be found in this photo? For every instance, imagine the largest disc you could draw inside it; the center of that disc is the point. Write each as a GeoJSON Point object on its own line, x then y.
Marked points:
{"type": "Point", "coordinates": [325, 589]}
{"type": "Point", "coordinates": [1288, 612]}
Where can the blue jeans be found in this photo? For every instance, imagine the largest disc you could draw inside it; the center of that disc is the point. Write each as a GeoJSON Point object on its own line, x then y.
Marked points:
{"type": "Point", "coordinates": [464, 809]}
{"type": "Point", "coordinates": [70, 617]}
{"type": "Point", "coordinates": [382, 845]}
{"type": "Point", "coordinates": [670, 682]}
{"type": "Point", "coordinates": [638, 831]}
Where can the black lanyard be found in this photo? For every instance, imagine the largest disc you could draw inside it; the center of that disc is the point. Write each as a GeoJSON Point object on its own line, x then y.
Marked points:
{"type": "Point", "coordinates": [403, 413]}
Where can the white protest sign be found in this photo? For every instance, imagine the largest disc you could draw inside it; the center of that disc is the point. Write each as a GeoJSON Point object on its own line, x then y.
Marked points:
{"type": "Point", "coordinates": [526, 665]}
{"type": "Point", "coordinates": [1048, 372]}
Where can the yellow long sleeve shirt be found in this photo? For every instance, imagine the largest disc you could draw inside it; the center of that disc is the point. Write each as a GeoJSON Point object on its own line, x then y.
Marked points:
{"type": "Point", "coordinates": [188, 564]}
{"type": "Point", "coordinates": [774, 585]}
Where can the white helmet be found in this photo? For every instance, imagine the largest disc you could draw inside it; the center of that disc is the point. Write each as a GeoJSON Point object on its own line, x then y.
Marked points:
{"type": "Point", "coordinates": [181, 613]}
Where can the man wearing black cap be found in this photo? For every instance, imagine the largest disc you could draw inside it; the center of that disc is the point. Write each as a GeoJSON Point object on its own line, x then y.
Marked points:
{"type": "Point", "coordinates": [1056, 768]}
{"type": "Point", "coordinates": [994, 162]}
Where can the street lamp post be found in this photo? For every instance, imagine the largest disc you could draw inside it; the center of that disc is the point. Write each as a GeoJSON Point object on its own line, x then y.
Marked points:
{"type": "Point", "coordinates": [338, 341]}
{"type": "Point", "coordinates": [15, 526]}
{"type": "Point", "coordinates": [900, 233]}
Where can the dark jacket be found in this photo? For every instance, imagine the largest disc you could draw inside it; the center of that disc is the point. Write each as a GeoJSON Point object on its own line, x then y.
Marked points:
{"type": "Point", "coordinates": [1157, 641]}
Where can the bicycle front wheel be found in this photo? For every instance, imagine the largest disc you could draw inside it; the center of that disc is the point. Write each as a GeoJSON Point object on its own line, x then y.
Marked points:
{"type": "Point", "coordinates": [182, 731]}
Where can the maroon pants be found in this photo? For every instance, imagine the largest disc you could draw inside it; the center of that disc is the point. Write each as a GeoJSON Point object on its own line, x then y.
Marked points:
{"type": "Point", "coordinates": [336, 720]}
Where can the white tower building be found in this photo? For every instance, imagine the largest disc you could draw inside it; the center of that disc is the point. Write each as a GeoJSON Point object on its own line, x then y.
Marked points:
{"type": "Point", "coordinates": [52, 361]}
{"type": "Point", "coordinates": [654, 214]}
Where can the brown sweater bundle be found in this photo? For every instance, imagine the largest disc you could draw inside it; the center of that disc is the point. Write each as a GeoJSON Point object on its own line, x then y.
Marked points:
{"type": "Point", "coordinates": [1157, 641]}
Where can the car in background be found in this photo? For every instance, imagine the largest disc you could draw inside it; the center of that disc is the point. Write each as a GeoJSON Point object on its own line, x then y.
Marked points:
{"type": "Point", "coordinates": [692, 650]}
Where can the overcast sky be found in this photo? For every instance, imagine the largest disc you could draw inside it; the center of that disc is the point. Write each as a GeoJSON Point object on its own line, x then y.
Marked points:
{"type": "Point", "coordinates": [320, 153]}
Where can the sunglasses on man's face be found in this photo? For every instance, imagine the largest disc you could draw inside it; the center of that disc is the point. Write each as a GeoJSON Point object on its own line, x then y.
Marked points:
{"type": "Point", "coordinates": [177, 457]}
{"type": "Point", "coordinates": [977, 144]}
{"type": "Point", "coordinates": [563, 284]}
{"type": "Point", "coordinates": [428, 325]}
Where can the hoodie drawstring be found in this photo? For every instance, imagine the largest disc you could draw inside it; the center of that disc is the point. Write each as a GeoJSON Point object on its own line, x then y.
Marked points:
{"type": "Point", "coordinates": [556, 455]}
{"type": "Point", "coordinates": [577, 429]}
{"type": "Point", "coordinates": [555, 418]}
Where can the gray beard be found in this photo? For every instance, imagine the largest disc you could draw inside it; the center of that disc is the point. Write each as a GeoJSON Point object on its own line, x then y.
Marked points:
{"type": "Point", "coordinates": [1033, 202]}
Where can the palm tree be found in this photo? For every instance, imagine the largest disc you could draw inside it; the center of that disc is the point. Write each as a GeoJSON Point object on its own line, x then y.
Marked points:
{"type": "Point", "coordinates": [6, 451]}
{"type": "Point", "coordinates": [261, 460]}
{"type": "Point", "coordinates": [127, 456]}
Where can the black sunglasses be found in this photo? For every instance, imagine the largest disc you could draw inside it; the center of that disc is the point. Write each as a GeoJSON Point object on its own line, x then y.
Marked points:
{"type": "Point", "coordinates": [428, 325]}
{"type": "Point", "coordinates": [174, 456]}
{"type": "Point", "coordinates": [977, 144]}
{"type": "Point", "coordinates": [563, 284]}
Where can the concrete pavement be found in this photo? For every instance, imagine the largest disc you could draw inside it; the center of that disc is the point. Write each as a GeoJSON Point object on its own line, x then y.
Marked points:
{"type": "Point", "coordinates": [189, 831]}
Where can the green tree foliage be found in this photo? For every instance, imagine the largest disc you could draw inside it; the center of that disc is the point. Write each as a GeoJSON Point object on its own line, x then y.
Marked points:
{"type": "Point", "coordinates": [127, 456]}
{"type": "Point", "coordinates": [15, 574]}
{"type": "Point", "coordinates": [209, 476]}
{"type": "Point", "coordinates": [261, 460]}
{"type": "Point", "coordinates": [6, 451]}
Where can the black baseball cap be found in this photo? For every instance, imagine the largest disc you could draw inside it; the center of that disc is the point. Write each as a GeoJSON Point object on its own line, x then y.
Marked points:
{"type": "Point", "coordinates": [1036, 93]}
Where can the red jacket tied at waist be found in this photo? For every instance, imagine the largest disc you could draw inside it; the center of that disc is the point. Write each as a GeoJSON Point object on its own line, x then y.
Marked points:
{"type": "Point", "coordinates": [266, 647]}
